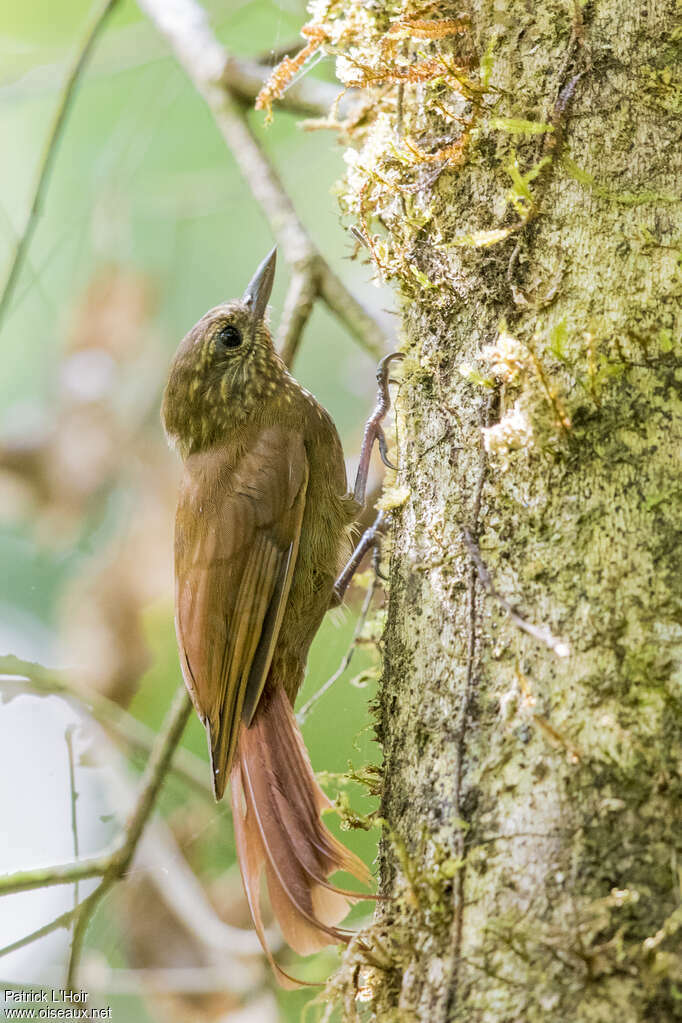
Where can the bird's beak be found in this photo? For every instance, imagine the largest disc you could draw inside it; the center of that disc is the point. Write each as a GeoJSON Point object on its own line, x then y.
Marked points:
{"type": "Point", "coordinates": [257, 294]}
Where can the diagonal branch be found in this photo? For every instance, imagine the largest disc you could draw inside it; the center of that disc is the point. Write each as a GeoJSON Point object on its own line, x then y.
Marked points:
{"type": "Point", "coordinates": [185, 26]}
{"type": "Point", "coordinates": [68, 92]}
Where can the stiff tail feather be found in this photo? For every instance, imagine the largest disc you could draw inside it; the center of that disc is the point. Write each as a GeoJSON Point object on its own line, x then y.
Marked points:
{"type": "Point", "coordinates": [276, 805]}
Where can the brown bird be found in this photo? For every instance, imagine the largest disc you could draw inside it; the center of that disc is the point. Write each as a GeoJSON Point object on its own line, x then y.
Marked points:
{"type": "Point", "coordinates": [262, 530]}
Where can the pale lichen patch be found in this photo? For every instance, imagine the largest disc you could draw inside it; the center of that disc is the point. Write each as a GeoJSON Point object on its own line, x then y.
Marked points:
{"type": "Point", "coordinates": [513, 433]}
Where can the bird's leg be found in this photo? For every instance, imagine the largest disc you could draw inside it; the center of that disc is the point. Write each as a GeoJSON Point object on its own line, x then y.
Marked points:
{"type": "Point", "coordinates": [373, 432]}
{"type": "Point", "coordinates": [373, 429]}
{"type": "Point", "coordinates": [369, 539]}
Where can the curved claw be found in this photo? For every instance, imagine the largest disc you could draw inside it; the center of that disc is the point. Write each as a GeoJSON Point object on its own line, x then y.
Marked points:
{"type": "Point", "coordinates": [382, 368]}
{"type": "Point", "coordinates": [376, 563]}
{"type": "Point", "coordinates": [383, 449]}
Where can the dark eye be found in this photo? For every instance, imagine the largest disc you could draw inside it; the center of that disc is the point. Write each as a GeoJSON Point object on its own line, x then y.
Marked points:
{"type": "Point", "coordinates": [229, 336]}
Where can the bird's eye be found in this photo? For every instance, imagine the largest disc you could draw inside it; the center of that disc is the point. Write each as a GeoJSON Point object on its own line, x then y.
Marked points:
{"type": "Point", "coordinates": [229, 336]}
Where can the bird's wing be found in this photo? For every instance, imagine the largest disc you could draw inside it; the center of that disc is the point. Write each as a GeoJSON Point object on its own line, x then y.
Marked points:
{"type": "Point", "coordinates": [237, 532]}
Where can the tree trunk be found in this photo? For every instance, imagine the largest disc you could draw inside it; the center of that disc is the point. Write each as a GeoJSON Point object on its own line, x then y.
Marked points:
{"type": "Point", "coordinates": [529, 710]}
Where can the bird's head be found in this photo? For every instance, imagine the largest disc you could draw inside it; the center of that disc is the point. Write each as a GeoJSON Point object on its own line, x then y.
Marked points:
{"type": "Point", "coordinates": [224, 368]}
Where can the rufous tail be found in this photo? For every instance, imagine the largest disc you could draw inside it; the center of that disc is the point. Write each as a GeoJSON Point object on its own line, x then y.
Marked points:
{"type": "Point", "coordinates": [276, 805]}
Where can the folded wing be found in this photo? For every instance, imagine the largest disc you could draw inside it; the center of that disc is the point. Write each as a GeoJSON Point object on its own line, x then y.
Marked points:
{"type": "Point", "coordinates": [238, 527]}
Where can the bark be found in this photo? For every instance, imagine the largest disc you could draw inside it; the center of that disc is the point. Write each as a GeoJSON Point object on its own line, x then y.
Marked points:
{"type": "Point", "coordinates": [531, 780]}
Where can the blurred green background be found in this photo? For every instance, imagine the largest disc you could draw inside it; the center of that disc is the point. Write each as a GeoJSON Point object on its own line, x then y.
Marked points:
{"type": "Point", "coordinates": [146, 225]}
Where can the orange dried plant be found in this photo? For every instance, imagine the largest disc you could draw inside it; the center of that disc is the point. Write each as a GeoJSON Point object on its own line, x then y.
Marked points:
{"type": "Point", "coordinates": [282, 75]}
{"type": "Point", "coordinates": [419, 28]}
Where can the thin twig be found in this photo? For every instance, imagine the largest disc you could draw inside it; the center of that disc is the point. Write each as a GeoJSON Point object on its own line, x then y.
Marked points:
{"type": "Point", "coordinates": [185, 26]}
{"type": "Point", "coordinates": [58, 873]}
{"type": "Point", "coordinates": [64, 920]}
{"type": "Point", "coordinates": [150, 784]}
{"type": "Point", "coordinates": [82, 919]}
{"type": "Point", "coordinates": [558, 646]}
{"type": "Point", "coordinates": [347, 657]}
{"type": "Point", "coordinates": [66, 97]}
{"type": "Point", "coordinates": [68, 735]}
{"type": "Point", "coordinates": [116, 721]}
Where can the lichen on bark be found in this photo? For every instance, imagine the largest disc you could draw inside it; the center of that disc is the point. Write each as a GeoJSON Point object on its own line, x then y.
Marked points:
{"type": "Point", "coordinates": [512, 173]}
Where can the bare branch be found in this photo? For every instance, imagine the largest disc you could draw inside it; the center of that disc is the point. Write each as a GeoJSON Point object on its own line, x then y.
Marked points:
{"type": "Point", "coordinates": [82, 918]}
{"type": "Point", "coordinates": [185, 26]}
{"type": "Point", "coordinates": [74, 799]}
{"type": "Point", "coordinates": [57, 873]}
{"type": "Point", "coordinates": [68, 92]}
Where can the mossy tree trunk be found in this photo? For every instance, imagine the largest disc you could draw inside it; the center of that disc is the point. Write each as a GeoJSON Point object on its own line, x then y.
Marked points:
{"type": "Point", "coordinates": [531, 784]}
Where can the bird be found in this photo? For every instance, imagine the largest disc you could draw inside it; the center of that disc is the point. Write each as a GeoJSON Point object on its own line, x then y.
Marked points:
{"type": "Point", "coordinates": [262, 529]}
